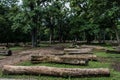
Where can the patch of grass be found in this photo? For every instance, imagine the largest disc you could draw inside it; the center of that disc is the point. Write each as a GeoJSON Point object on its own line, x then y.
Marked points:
{"type": "Point", "coordinates": [16, 48]}
{"type": "Point", "coordinates": [92, 64]}
{"type": "Point", "coordinates": [109, 48]}
{"type": "Point", "coordinates": [104, 54]}
{"type": "Point", "coordinates": [100, 54]}
{"type": "Point", "coordinates": [44, 45]}
{"type": "Point", "coordinates": [2, 57]}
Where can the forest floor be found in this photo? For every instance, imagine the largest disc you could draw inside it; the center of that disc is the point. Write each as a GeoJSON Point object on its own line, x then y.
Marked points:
{"type": "Point", "coordinates": [21, 56]}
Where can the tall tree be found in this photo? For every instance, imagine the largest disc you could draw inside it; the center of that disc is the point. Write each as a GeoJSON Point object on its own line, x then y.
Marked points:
{"type": "Point", "coordinates": [29, 18]}
{"type": "Point", "coordinates": [5, 23]}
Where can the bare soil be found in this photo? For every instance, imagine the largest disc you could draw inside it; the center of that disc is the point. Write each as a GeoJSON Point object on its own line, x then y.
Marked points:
{"type": "Point", "coordinates": [24, 55]}
{"type": "Point", "coordinates": [116, 66]}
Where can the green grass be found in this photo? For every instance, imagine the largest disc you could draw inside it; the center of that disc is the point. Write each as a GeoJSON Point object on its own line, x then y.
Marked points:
{"type": "Point", "coordinates": [2, 57]}
{"type": "Point", "coordinates": [104, 54]}
{"type": "Point", "coordinates": [92, 64]}
{"type": "Point", "coordinates": [16, 48]}
{"type": "Point", "coordinates": [100, 53]}
{"type": "Point", "coordinates": [114, 75]}
{"type": "Point", "coordinates": [55, 44]}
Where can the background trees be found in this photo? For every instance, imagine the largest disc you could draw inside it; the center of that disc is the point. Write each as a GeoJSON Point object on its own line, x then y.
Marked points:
{"type": "Point", "coordinates": [58, 20]}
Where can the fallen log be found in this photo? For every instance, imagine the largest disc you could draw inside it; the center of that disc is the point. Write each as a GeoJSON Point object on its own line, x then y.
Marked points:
{"type": "Point", "coordinates": [6, 52]}
{"type": "Point", "coordinates": [74, 46]}
{"type": "Point", "coordinates": [113, 51]}
{"type": "Point", "coordinates": [117, 48]}
{"type": "Point", "coordinates": [58, 54]}
{"type": "Point", "coordinates": [82, 56]}
{"type": "Point", "coordinates": [78, 51]}
{"type": "Point", "coordinates": [93, 47]}
{"type": "Point", "coordinates": [53, 71]}
{"type": "Point", "coordinates": [60, 59]}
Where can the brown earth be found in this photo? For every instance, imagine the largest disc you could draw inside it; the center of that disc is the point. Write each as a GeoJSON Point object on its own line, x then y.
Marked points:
{"type": "Point", "coordinates": [24, 55]}
{"type": "Point", "coordinates": [116, 66]}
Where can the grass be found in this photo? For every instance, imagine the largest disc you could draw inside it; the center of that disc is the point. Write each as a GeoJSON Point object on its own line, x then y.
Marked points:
{"type": "Point", "coordinates": [55, 44]}
{"type": "Point", "coordinates": [115, 75]}
{"type": "Point", "coordinates": [91, 65]}
{"type": "Point", "coordinates": [16, 48]}
{"type": "Point", "coordinates": [2, 57]}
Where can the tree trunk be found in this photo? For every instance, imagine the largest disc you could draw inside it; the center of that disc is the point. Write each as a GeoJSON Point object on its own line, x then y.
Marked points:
{"type": "Point", "coordinates": [75, 40]}
{"type": "Point", "coordinates": [5, 52]}
{"type": "Point", "coordinates": [51, 34]}
{"type": "Point", "coordinates": [104, 36]}
{"type": "Point", "coordinates": [84, 38]}
{"type": "Point", "coordinates": [60, 59]}
{"type": "Point", "coordinates": [60, 33]}
{"type": "Point", "coordinates": [78, 51]}
{"type": "Point", "coordinates": [93, 47]}
{"type": "Point", "coordinates": [64, 38]}
{"type": "Point", "coordinates": [117, 36]}
{"type": "Point", "coordinates": [50, 40]}
{"type": "Point", "coordinates": [99, 38]}
{"type": "Point", "coordinates": [68, 59]}
{"type": "Point", "coordinates": [53, 71]}
{"type": "Point", "coordinates": [34, 28]}
{"type": "Point", "coordinates": [34, 37]}
{"type": "Point", "coordinates": [89, 38]}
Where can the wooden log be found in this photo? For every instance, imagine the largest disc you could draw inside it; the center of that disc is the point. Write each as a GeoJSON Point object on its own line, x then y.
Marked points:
{"type": "Point", "coordinates": [76, 49]}
{"type": "Point", "coordinates": [117, 48]}
{"type": "Point", "coordinates": [74, 46]}
{"type": "Point", "coordinates": [77, 53]}
{"type": "Point", "coordinates": [93, 47]}
{"type": "Point", "coordinates": [71, 51]}
{"type": "Point", "coordinates": [6, 52]}
{"type": "Point", "coordinates": [54, 71]}
{"type": "Point", "coordinates": [82, 56]}
{"type": "Point", "coordinates": [113, 51]}
{"type": "Point", "coordinates": [59, 59]}
{"type": "Point", "coordinates": [3, 47]}
{"type": "Point", "coordinates": [79, 57]}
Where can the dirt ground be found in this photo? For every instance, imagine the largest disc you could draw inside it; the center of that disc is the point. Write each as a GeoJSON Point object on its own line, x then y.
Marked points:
{"type": "Point", "coordinates": [116, 66]}
{"type": "Point", "coordinates": [24, 55]}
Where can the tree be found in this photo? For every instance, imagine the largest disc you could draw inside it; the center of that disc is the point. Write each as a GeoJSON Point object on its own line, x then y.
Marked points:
{"type": "Point", "coordinates": [5, 23]}
{"type": "Point", "coordinates": [54, 17]}
{"type": "Point", "coordinates": [108, 16]}
{"type": "Point", "coordinates": [96, 14]}
{"type": "Point", "coordinates": [28, 18]}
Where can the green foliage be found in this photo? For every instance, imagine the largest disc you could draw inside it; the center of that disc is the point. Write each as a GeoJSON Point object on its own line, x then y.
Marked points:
{"type": "Point", "coordinates": [58, 19]}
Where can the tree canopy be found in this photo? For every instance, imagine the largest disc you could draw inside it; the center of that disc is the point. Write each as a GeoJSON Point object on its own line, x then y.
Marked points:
{"type": "Point", "coordinates": [59, 20]}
